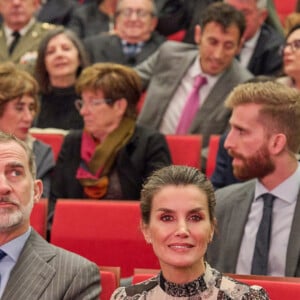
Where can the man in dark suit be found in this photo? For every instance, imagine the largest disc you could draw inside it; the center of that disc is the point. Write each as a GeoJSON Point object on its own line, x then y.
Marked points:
{"type": "Point", "coordinates": [30, 267]}
{"type": "Point", "coordinates": [169, 74]}
{"type": "Point", "coordinates": [263, 141]}
{"type": "Point", "coordinates": [134, 38]}
{"type": "Point", "coordinates": [260, 52]}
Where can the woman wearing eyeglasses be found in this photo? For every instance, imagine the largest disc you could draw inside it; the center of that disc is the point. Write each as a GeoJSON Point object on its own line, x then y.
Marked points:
{"type": "Point", "coordinates": [113, 155]}
{"type": "Point", "coordinates": [291, 58]}
{"type": "Point", "coordinates": [61, 57]}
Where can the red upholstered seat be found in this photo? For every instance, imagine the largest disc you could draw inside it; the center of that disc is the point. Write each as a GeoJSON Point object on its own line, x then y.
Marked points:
{"type": "Point", "coordinates": [284, 8]}
{"type": "Point", "coordinates": [185, 149]}
{"type": "Point", "coordinates": [108, 284]}
{"type": "Point", "coordinates": [55, 140]}
{"type": "Point", "coordinates": [213, 146]}
{"type": "Point", "coordinates": [106, 232]}
{"type": "Point", "coordinates": [38, 217]}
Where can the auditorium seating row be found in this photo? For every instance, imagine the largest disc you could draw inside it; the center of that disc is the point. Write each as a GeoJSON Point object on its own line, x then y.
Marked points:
{"type": "Point", "coordinates": [185, 149]}
{"type": "Point", "coordinates": [108, 233]}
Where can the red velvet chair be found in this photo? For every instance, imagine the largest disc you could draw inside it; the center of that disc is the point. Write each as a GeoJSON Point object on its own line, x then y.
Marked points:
{"type": "Point", "coordinates": [185, 149]}
{"type": "Point", "coordinates": [106, 232]}
{"type": "Point", "coordinates": [284, 8]}
{"type": "Point", "coordinates": [177, 36]}
{"type": "Point", "coordinates": [213, 146]}
{"type": "Point", "coordinates": [55, 140]}
{"type": "Point", "coordinates": [38, 217]}
{"type": "Point", "coordinates": [108, 284]}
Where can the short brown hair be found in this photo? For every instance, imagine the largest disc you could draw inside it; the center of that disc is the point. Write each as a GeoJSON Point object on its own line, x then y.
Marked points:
{"type": "Point", "coordinates": [175, 175]}
{"type": "Point", "coordinates": [280, 107]}
{"type": "Point", "coordinates": [15, 83]}
{"type": "Point", "coordinates": [115, 81]}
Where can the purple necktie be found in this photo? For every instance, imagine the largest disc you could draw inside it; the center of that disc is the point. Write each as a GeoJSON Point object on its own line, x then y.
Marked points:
{"type": "Point", "coordinates": [191, 106]}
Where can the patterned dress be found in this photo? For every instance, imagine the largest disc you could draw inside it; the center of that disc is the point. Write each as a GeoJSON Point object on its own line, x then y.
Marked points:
{"type": "Point", "coordinates": [212, 285]}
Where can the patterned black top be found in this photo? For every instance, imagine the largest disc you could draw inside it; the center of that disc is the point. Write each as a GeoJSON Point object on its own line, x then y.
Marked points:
{"type": "Point", "coordinates": [212, 285]}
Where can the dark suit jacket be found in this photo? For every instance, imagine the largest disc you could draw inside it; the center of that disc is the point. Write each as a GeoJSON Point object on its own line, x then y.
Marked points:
{"type": "Point", "coordinates": [57, 11]}
{"type": "Point", "coordinates": [45, 272]}
{"type": "Point", "coordinates": [161, 74]}
{"type": "Point", "coordinates": [88, 20]}
{"type": "Point", "coordinates": [108, 48]}
{"type": "Point", "coordinates": [223, 173]}
{"type": "Point", "coordinates": [146, 151]}
{"type": "Point", "coordinates": [232, 210]}
{"type": "Point", "coordinates": [266, 59]}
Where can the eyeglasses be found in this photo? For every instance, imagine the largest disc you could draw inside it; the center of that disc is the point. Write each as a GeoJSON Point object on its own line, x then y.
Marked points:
{"type": "Point", "coordinates": [93, 103]}
{"type": "Point", "coordinates": [294, 45]}
{"type": "Point", "coordinates": [140, 13]}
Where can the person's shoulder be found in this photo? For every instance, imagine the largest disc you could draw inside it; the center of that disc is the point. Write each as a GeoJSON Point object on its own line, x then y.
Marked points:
{"type": "Point", "coordinates": [146, 132]}
{"type": "Point", "coordinates": [239, 72]}
{"type": "Point", "coordinates": [100, 39]}
{"type": "Point", "coordinates": [232, 190]}
{"type": "Point", "coordinates": [43, 26]}
{"type": "Point", "coordinates": [270, 33]}
{"type": "Point", "coordinates": [178, 46]}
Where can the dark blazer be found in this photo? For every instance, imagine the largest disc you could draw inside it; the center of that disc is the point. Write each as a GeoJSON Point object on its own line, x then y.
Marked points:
{"type": "Point", "coordinates": [266, 58]}
{"type": "Point", "coordinates": [45, 272]}
{"type": "Point", "coordinates": [88, 20]}
{"type": "Point", "coordinates": [108, 48]}
{"type": "Point", "coordinates": [161, 74]}
{"type": "Point", "coordinates": [232, 210]}
{"type": "Point", "coordinates": [57, 11]}
{"type": "Point", "coordinates": [223, 173]}
{"type": "Point", "coordinates": [145, 152]}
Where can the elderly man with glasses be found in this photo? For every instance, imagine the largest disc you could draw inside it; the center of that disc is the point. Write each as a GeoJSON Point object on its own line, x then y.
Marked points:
{"type": "Point", "coordinates": [134, 38]}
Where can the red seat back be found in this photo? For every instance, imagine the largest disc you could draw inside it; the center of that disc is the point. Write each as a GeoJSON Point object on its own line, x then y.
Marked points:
{"type": "Point", "coordinates": [108, 284]}
{"type": "Point", "coordinates": [185, 149]}
{"type": "Point", "coordinates": [55, 140]}
{"type": "Point", "coordinates": [213, 146]}
{"type": "Point", "coordinates": [284, 8]}
{"type": "Point", "coordinates": [38, 217]}
{"type": "Point", "coordinates": [106, 232]}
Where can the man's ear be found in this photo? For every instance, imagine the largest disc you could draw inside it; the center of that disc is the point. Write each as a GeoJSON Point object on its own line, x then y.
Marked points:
{"type": "Point", "coordinates": [277, 143]}
{"type": "Point", "coordinates": [197, 34]}
{"type": "Point", "coordinates": [38, 190]}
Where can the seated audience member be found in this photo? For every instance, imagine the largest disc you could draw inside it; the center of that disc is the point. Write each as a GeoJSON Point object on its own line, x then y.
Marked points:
{"type": "Point", "coordinates": [112, 156]}
{"type": "Point", "coordinates": [61, 57]}
{"type": "Point", "coordinates": [30, 267]}
{"type": "Point", "coordinates": [260, 52]}
{"type": "Point", "coordinates": [258, 220]}
{"type": "Point", "coordinates": [20, 33]}
{"type": "Point", "coordinates": [178, 220]}
{"type": "Point", "coordinates": [223, 173]}
{"type": "Point", "coordinates": [291, 59]}
{"type": "Point", "coordinates": [170, 73]}
{"type": "Point", "coordinates": [56, 11]}
{"type": "Point", "coordinates": [134, 39]}
{"type": "Point", "coordinates": [292, 19]}
{"type": "Point", "coordinates": [93, 18]}
{"type": "Point", "coordinates": [18, 107]}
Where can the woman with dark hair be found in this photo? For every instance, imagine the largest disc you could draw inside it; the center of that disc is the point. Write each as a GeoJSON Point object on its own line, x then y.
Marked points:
{"type": "Point", "coordinates": [61, 58]}
{"type": "Point", "coordinates": [178, 220]}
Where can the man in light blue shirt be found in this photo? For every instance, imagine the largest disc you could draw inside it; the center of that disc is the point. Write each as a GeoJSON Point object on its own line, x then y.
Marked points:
{"type": "Point", "coordinates": [31, 268]}
{"type": "Point", "coordinates": [263, 141]}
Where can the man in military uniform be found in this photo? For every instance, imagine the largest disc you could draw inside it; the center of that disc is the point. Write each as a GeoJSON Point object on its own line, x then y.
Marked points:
{"type": "Point", "coordinates": [20, 33]}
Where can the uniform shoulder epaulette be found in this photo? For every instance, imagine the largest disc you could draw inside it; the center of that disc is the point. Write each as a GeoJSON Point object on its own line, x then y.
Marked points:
{"type": "Point", "coordinates": [48, 26]}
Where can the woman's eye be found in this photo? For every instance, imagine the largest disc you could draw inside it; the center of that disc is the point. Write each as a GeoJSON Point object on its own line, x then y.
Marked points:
{"type": "Point", "coordinates": [195, 218]}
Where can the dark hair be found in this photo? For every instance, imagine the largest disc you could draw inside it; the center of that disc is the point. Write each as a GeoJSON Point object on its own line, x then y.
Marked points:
{"type": "Point", "coordinates": [115, 81]}
{"type": "Point", "coordinates": [175, 175]}
{"type": "Point", "coordinates": [225, 15]}
{"type": "Point", "coordinates": [41, 72]}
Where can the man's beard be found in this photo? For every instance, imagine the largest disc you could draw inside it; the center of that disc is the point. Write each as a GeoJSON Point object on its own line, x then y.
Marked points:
{"type": "Point", "coordinates": [11, 217]}
{"type": "Point", "coordinates": [258, 165]}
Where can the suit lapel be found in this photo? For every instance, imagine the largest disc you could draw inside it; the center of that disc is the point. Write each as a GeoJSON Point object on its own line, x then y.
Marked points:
{"type": "Point", "coordinates": [3, 46]}
{"type": "Point", "coordinates": [236, 225]}
{"type": "Point", "coordinates": [32, 274]}
{"type": "Point", "coordinates": [293, 250]}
